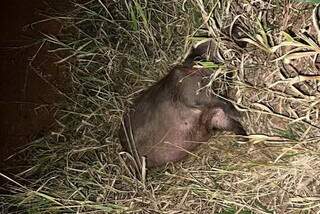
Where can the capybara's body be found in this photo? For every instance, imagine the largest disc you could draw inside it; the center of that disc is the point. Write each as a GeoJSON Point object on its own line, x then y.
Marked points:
{"type": "Point", "coordinates": [174, 116]}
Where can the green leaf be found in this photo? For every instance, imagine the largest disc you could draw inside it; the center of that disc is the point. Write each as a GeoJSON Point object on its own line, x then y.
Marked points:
{"type": "Point", "coordinates": [208, 65]}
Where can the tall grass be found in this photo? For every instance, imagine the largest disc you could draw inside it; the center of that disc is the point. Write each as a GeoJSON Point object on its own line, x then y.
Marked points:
{"type": "Point", "coordinates": [115, 49]}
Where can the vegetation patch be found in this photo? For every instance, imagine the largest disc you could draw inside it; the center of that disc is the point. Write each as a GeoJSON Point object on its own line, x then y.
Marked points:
{"type": "Point", "coordinates": [115, 49]}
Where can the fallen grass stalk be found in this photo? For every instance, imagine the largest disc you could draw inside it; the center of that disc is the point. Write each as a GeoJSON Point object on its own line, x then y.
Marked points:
{"type": "Point", "coordinates": [115, 49]}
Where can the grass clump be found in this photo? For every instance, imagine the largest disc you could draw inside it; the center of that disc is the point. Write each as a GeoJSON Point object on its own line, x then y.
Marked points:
{"type": "Point", "coordinates": [114, 49]}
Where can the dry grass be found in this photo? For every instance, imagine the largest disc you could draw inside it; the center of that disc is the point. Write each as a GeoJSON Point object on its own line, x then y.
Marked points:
{"type": "Point", "coordinates": [120, 47]}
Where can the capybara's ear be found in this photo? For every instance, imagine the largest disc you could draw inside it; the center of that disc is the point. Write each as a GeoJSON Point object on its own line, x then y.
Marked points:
{"type": "Point", "coordinates": [198, 52]}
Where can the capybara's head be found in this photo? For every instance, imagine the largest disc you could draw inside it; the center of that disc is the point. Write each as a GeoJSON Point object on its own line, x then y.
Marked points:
{"type": "Point", "coordinates": [191, 91]}
{"type": "Point", "coordinates": [191, 87]}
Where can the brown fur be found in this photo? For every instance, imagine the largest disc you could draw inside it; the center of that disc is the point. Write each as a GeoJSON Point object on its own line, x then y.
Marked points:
{"type": "Point", "coordinates": [169, 119]}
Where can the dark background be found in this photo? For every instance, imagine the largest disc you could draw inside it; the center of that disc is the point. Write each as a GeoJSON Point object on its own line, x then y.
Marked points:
{"type": "Point", "coordinates": [28, 83]}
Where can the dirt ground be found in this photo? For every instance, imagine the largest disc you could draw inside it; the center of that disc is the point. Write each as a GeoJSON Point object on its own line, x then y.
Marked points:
{"type": "Point", "coordinates": [30, 79]}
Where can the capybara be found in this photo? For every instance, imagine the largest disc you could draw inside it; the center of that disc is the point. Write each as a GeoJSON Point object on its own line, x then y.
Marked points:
{"type": "Point", "coordinates": [175, 115]}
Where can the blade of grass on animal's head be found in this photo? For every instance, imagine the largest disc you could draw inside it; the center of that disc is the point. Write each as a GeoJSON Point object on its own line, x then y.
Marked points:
{"type": "Point", "coordinates": [206, 65]}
